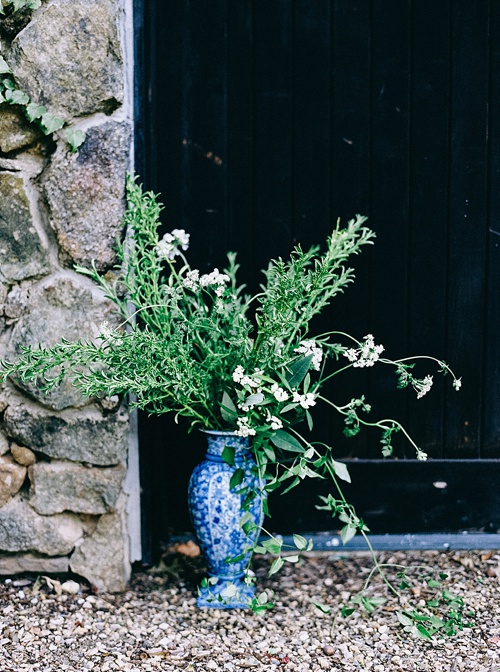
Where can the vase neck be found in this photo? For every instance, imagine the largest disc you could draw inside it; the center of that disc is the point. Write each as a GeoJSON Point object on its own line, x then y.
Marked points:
{"type": "Point", "coordinates": [218, 441]}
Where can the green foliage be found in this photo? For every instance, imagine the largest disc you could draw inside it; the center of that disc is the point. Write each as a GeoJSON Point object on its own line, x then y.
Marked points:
{"type": "Point", "coordinates": [193, 345]}
{"type": "Point", "coordinates": [15, 5]}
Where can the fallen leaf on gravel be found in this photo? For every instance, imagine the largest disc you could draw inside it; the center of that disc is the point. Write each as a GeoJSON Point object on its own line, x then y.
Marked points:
{"type": "Point", "coordinates": [486, 556]}
{"type": "Point", "coordinates": [188, 548]}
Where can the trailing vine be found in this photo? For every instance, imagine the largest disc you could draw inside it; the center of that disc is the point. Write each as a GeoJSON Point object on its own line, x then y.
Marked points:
{"type": "Point", "coordinates": [47, 122]}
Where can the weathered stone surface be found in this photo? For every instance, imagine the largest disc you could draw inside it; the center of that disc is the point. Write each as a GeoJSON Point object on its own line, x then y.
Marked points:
{"type": "Point", "coordinates": [15, 131]}
{"type": "Point", "coordinates": [60, 306]}
{"type": "Point", "coordinates": [22, 252]}
{"type": "Point", "coordinates": [85, 193]}
{"type": "Point", "coordinates": [102, 558]}
{"type": "Point", "coordinates": [64, 486]}
{"type": "Point", "coordinates": [23, 455]}
{"type": "Point", "coordinates": [21, 529]}
{"type": "Point", "coordinates": [4, 444]}
{"type": "Point", "coordinates": [69, 57]}
{"type": "Point", "coordinates": [12, 477]}
{"type": "Point", "coordinates": [32, 562]}
{"type": "Point", "coordinates": [16, 303]}
{"type": "Point", "coordinates": [85, 435]}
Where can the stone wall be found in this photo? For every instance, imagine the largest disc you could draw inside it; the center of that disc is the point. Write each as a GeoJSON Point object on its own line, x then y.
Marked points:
{"type": "Point", "coordinates": [62, 458]}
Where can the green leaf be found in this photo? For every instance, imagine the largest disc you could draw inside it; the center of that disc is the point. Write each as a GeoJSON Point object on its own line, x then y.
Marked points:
{"type": "Point", "coordinates": [17, 97]}
{"type": "Point", "coordinates": [404, 619]}
{"type": "Point", "coordinates": [34, 111]}
{"type": "Point", "coordinates": [4, 66]}
{"type": "Point", "coordinates": [51, 123]}
{"type": "Point", "coordinates": [254, 399]}
{"type": "Point", "coordinates": [288, 407]}
{"type": "Point", "coordinates": [433, 584]}
{"type": "Point", "coordinates": [272, 545]}
{"type": "Point", "coordinates": [340, 470]}
{"type": "Point", "coordinates": [236, 479]}
{"type": "Point", "coordinates": [276, 566]}
{"type": "Point", "coordinates": [325, 609]}
{"type": "Point", "coordinates": [286, 441]}
{"type": "Point", "coordinates": [300, 542]}
{"type": "Point", "coordinates": [309, 420]}
{"type": "Point", "coordinates": [74, 137]}
{"type": "Point", "coordinates": [297, 371]}
{"type": "Point", "coordinates": [423, 633]}
{"type": "Point", "coordinates": [291, 558]}
{"type": "Point", "coordinates": [347, 533]}
{"type": "Point", "coordinates": [228, 409]}
{"type": "Point", "coordinates": [347, 611]}
{"type": "Point", "coordinates": [228, 454]}
{"type": "Point", "coordinates": [292, 485]}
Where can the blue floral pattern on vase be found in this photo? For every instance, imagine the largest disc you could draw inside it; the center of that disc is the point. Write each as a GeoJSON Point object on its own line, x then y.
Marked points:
{"type": "Point", "coordinates": [216, 513]}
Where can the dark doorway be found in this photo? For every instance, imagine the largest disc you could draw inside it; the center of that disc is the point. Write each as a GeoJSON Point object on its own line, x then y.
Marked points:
{"type": "Point", "coordinates": [262, 122]}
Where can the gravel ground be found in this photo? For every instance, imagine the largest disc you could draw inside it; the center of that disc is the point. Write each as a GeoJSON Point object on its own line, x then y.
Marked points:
{"type": "Point", "coordinates": [49, 626]}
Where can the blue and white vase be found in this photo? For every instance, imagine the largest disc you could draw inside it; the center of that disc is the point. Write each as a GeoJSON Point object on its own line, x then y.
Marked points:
{"type": "Point", "coordinates": [216, 513]}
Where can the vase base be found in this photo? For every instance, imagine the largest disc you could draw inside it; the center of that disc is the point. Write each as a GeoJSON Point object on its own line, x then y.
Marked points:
{"type": "Point", "coordinates": [225, 594]}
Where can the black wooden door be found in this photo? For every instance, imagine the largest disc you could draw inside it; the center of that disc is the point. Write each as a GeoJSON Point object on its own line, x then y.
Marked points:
{"type": "Point", "coordinates": [263, 121]}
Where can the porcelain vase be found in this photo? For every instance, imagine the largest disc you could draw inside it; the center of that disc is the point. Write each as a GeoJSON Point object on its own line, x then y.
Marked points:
{"type": "Point", "coordinates": [216, 512]}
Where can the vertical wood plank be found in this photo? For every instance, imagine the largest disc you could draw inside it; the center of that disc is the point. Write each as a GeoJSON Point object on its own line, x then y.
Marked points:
{"type": "Point", "coordinates": [389, 198]}
{"type": "Point", "coordinates": [273, 129]}
{"type": "Point", "coordinates": [350, 184]}
{"type": "Point", "coordinates": [428, 213]}
{"type": "Point", "coordinates": [467, 233]}
{"type": "Point", "coordinates": [240, 138]}
{"type": "Point", "coordinates": [491, 412]}
{"type": "Point", "coordinates": [205, 139]}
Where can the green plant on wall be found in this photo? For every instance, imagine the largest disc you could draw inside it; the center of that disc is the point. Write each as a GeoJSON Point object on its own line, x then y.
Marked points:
{"type": "Point", "coordinates": [9, 92]}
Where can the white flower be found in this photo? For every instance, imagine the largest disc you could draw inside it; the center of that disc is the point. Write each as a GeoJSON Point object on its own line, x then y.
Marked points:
{"type": "Point", "coordinates": [421, 455]}
{"type": "Point", "coordinates": [240, 377]}
{"type": "Point", "coordinates": [457, 383]}
{"type": "Point", "coordinates": [311, 348]}
{"type": "Point", "coordinates": [422, 386]}
{"type": "Point", "coordinates": [192, 279]}
{"type": "Point", "coordinates": [238, 374]}
{"type": "Point", "coordinates": [243, 428]}
{"type": "Point", "coordinates": [367, 354]}
{"type": "Point", "coordinates": [305, 400]}
{"type": "Point", "coordinates": [279, 393]}
{"type": "Point", "coordinates": [217, 279]}
{"type": "Point", "coordinates": [106, 332]}
{"type": "Point", "coordinates": [276, 423]}
{"type": "Point", "coordinates": [168, 247]}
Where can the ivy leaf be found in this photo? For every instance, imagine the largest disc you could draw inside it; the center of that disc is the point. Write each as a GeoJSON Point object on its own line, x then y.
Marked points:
{"type": "Point", "coordinates": [4, 66]}
{"type": "Point", "coordinates": [286, 441]}
{"type": "Point", "coordinates": [17, 97]}
{"type": "Point", "coordinates": [34, 111]}
{"type": "Point", "coordinates": [341, 470]}
{"type": "Point", "coordinates": [298, 371]}
{"type": "Point", "coordinates": [228, 409]}
{"type": "Point", "coordinates": [74, 137]}
{"type": "Point", "coordinates": [51, 123]}
{"type": "Point", "coordinates": [404, 619]}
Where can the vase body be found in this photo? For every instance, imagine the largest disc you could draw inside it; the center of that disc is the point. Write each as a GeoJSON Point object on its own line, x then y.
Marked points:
{"type": "Point", "coordinates": [216, 513]}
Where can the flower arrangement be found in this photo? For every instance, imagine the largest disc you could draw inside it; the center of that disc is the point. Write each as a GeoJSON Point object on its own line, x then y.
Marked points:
{"type": "Point", "coordinates": [195, 345]}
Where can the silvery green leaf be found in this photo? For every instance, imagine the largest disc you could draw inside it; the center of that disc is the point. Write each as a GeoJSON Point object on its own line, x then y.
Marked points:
{"type": "Point", "coordinates": [34, 111]}
{"type": "Point", "coordinates": [4, 67]}
{"type": "Point", "coordinates": [74, 137]}
{"type": "Point", "coordinates": [254, 399]}
{"type": "Point", "coordinates": [300, 542]}
{"type": "Point", "coordinates": [276, 566]}
{"type": "Point", "coordinates": [286, 441]}
{"type": "Point", "coordinates": [347, 533]}
{"type": "Point", "coordinates": [228, 409]}
{"type": "Point", "coordinates": [51, 123]}
{"type": "Point", "coordinates": [340, 470]}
